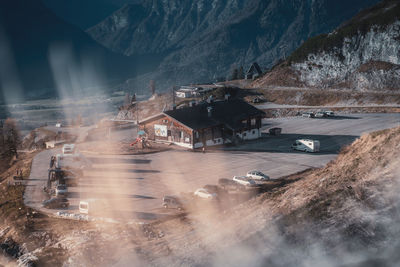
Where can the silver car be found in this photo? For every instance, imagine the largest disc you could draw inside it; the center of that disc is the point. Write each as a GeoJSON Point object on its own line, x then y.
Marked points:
{"type": "Point", "coordinates": [320, 114]}
{"type": "Point", "coordinates": [308, 115]}
{"type": "Point", "coordinates": [257, 175]}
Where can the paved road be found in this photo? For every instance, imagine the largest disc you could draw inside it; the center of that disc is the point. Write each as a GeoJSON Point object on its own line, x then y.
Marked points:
{"type": "Point", "coordinates": [133, 186]}
{"type": "Point", "coordinates": [270, 105]}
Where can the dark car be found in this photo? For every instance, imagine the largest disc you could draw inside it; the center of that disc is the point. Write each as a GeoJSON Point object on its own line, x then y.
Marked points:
{"type": "Point", "coordinates": [257, 100]}
{"type": "Point", "coordinates": [275, 131]}
{"type": "Point", "coordinates": [56, 203]}
{"type": "Point", "coordinates": [172, 202]}
{"type": "Point", "coordinates": [229, 184]}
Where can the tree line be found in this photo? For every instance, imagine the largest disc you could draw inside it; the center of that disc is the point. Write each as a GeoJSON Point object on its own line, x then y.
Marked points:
{"type": "Point", "coordinates": [237, 73]}
{"type": "Point", "coordinates": [10, 139]}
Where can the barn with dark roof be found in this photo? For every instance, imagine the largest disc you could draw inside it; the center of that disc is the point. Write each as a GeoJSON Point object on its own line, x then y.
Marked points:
{"type": "Point", "coordinates": [253, 72]}
{"type": "Point", "coordinates": [206, 124]}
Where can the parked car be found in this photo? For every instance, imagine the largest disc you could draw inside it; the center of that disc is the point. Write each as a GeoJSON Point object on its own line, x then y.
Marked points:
{"type": "Point", "coordinates": [94, 206]}
{"type": "Point", "coordinates": [308, 115]}
{"type": "Point", "coordinates": [229, 184]}
{"type": "Point", "coordinates": [61, 190]}
{"type": "Point", "coordinates": [321, 114]}
{"type": "Point", "coordinates": [68, 149]}
{"type": "Point", "coordinates": [257, 100]}
{"type": "Point", "coordinates": [172, 202]}
{"type": "Point", "coordinates": [329, 113]}
{"type": "Point", "coordinates": [56, 203]}
{"type": "Point", "coordinates": [244, 180]}
{"type": "Point", "coordinates": [275, 131]}
{"type": "Point", "coordinates": [203, 193]}
{"type": "Point", "coordinates": [306, 145]}
{"type": "Point", "coordinates": [257, 175]}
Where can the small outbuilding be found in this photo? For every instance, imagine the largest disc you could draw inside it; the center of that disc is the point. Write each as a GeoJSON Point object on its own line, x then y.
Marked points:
{"type": "Point", "coordinates": [253, 72]}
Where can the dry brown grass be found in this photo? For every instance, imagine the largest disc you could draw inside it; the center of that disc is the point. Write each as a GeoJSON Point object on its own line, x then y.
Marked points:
{"type": "Point", "coordinates": [312, 97]}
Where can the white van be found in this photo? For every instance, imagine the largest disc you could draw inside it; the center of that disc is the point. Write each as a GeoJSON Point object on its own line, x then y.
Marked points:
{"type": "Point", "coordinates": [306, 145]}
{"type": "Point", "coordinates": [91, 206]}
{"type": "Point", "coordinates": [68, 149]}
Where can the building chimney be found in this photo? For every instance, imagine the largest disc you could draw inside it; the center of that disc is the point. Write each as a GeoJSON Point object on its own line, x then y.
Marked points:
{"type": "Point", "coordinates": [209, 111]}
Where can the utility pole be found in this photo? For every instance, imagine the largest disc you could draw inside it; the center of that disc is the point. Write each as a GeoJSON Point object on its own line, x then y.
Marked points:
{"type": "Point", "coordinates": [173, 97]}
{"type": "Point", "coordinates": [137, 113]}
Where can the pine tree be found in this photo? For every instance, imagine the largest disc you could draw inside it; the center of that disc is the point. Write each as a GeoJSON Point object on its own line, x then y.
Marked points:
{"type": "Point", "coordinates": [152, 87]}
{"type": "Point", "coordinates": [11, 137]}
{"type": "Point", "coordinates": [234, 74]}
{"type": "Point", "coordinates": [241, 73]}
{"type": "Point", "coordinates": [127, 100]}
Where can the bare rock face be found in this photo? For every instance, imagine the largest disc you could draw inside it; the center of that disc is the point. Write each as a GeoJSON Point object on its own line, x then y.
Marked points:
{"type": "Point", "coordinates": [202, 41]}
{"type": "Point", "coordinates": [376, 75]}
{"type": "Point", "coordinates": [362, 54]}
{"type": "Point", "coordinates": [353, 62]}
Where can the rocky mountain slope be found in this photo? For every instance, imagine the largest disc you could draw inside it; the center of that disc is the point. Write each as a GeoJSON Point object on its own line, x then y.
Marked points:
{"type": "Point", "coordinates": [34, 42]}
{"type": "Point", "coordinates": [199, 41]}
{"type": "Point", "coordinates": [362, 54]}
{"type": "Point", "coordinates": [85, 14]}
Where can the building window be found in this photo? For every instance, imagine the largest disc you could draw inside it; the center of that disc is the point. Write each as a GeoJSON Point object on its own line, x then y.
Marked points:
{"type": "Point", "coordinates": [244, 134]}
{"type": "Point", "coordinates": [196, 134]}
{"type": "Point", "coordinates": [253, 132]}
{"type": "Point", "coordinates": [181, 134]}
{"type": "Point", "coordinates": [253, 122]}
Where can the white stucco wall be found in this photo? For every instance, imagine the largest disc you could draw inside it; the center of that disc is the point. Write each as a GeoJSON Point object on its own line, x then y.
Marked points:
{"type": "Point", "coordinates": [249, 135]}
{"type": "Point", "coordinates": [215, 142]}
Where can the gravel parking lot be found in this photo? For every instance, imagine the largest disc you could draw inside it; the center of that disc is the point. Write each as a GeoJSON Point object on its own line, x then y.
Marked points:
{"type": "Point", "coordinates": [136, 184]}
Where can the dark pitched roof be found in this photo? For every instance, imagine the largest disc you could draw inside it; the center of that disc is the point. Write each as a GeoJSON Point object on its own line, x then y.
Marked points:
{"type": "Point", "coordinates": [229, 113]}
{"type": "Point", "coordinates": [254, 68]}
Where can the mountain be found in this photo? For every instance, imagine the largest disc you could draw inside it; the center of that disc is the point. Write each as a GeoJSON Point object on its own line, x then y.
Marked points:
{"type": "Point", "coordinates": [362, 54]}
{"type": "Point", "coordinates": [41, 53]}
{"type": "Point", "coordinates": [200, 41]}
{"type": "Point", "coordinates": [85, 14]}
